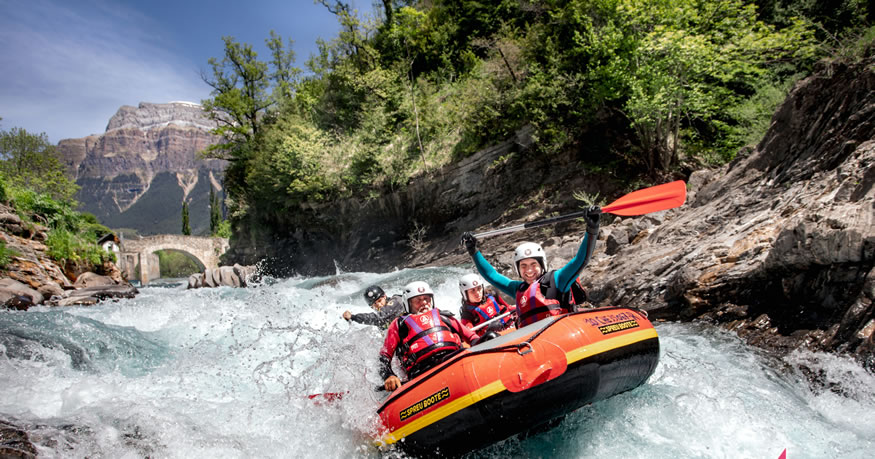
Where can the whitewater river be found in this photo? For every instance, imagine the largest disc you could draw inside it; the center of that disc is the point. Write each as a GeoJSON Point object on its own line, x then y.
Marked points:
{"type": "Point", "coordinates": [226, 373]}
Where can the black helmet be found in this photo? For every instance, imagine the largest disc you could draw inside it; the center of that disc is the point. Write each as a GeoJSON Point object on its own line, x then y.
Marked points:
{"type": "Point", "coordinates": [373, 293]}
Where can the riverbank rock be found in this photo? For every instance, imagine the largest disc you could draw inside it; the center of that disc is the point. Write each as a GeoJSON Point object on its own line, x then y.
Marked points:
{"type": "Point", "coordinates": [224, 276]}
{"type": "Point", "coordinates": [15, 295]}
{"type": "Point", "coordinates": [14, 442]}
{"type": "Point", "coordinates": [32, 277]}
{"type": "Point", "coordinates": [88, 296]}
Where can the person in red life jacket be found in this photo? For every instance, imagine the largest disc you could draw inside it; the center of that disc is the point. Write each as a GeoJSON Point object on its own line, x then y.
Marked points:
{"type": "Point", "coordinates": [386, 309]}
{"type": "Point", "coordinates": [479, 307]}
{"type": "Point", "coordinates": [423, 338]}
{"type": "Point", "coordinates": [541, 293]}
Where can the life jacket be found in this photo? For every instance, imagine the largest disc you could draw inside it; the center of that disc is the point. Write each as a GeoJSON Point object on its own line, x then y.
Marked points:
{"type": "Point", "coordinates": [484, 311]}
{"type": "Point", "coordinates": [542, 299]}
{"type": "Point", "coordinates": [426, 334]}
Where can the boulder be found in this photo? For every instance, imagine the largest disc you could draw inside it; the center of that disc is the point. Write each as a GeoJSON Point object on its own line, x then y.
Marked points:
{"type": "Point", "coordinates": [14, 442]}
{"type": "Point", "coordinates": [90, 279]}
{"type": "Point", "coordinates": [208, 278]}
{"type": "Point", "coordinates": [87, 296]}
{"type": "Point", "coordinates": [223, 276]}
{"type": "Point", "coordinates": [196, 280]}
{"type": "Point", "coordinates": [16, 295]}
{"type": "Point", "coordinates": [51, 289]}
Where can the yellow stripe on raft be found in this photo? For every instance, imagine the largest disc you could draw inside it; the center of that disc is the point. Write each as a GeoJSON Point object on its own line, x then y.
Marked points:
{"type": "Point", "coordinates": [609, 344]}
{"type": "Point", "coordinates": [497, 386]}
{"type": "Point", "coordinates": [444, 411]}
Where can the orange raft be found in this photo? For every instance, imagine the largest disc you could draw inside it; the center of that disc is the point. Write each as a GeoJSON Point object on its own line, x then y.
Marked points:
{"type": "Point", "coordinates": [520, 381]}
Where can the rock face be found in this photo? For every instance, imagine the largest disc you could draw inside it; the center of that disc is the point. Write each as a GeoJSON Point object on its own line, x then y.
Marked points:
{"type": "Point", "coordinates": [138, 173]}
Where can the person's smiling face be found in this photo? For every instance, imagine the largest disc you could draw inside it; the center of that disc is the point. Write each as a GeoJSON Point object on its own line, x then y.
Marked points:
{"type": "Point", "coordinates": [379, 303]}
{"type": "Point", "coordinates": [530, 270]}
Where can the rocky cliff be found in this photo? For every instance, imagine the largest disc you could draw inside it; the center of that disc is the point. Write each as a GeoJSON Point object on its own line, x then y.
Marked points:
{"type": "Point", "coordinates": [137, 173]}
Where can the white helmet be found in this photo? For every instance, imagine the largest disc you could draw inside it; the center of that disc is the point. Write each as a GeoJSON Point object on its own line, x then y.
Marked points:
{"type": "Point", "coordinates": [529, 250]}
{"type": "Point", "coordinates": [469, 281]}
{"type": "Point", "coordinates": [415, 289]}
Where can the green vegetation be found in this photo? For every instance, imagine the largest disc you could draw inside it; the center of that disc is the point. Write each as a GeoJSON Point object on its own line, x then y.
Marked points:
{"type": "Point", "coordinates": [215, 211]}
{"type": "Point", "coordinates": [428, 83]}
{"type": "Point", "coordinates": [6, 254]}
{"type": "Point", "coordinates": [30, 162]}
{"type": "Point", "coordinates": [186, 229]}
{"type": "Point", "coordinates": [176, 264]}
{"type": "Point", "coordinates": [33, 183]}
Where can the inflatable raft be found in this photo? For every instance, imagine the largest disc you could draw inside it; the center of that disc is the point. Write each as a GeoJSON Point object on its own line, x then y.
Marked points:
{"type": "Point", "coordinates": [521, 381]}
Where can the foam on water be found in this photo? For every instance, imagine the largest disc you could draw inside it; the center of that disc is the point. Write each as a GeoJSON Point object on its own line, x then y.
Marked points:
{"type": "Point", "coordinates": [227, 372]}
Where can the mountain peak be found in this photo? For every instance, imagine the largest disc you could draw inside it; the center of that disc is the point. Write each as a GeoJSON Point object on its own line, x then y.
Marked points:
{"type": "Point", "coordinates": [148, 116]}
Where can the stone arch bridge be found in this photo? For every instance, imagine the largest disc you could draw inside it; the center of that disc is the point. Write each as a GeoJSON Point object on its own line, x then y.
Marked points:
{"type": "Point", "coordinates": [137, 258]}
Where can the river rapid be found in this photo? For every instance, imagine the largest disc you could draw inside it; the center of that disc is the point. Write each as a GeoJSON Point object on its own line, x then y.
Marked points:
{"type": "Point", "coordinates": [227, 373]}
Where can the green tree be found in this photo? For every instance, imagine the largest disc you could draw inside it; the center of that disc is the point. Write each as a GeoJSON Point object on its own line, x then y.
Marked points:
{"type": "Point", "coordinates": [215, 212]}
{"type": "Point", "coordinates": [287, 170]}
{"type": "Point", "coordinates": [186, 229]}
{"type": "Point", "coordinates": [245, 90]}
{"type": "Point", "coordinates": [30, 161]}
{"type": "Point", "coordinates": [695, 59]}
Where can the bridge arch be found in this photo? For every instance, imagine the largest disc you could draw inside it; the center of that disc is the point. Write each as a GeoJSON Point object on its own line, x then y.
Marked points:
{"type": "Point", "coordinates": [138, 254]}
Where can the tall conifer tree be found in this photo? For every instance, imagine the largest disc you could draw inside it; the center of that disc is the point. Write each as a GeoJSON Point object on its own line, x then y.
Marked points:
{"type": "Point", "coordinates": [186, 229]}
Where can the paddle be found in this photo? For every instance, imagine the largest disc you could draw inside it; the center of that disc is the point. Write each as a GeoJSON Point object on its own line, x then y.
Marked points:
{"type": "Point", "coordinates": [478, 327]}
{"type": "Point", "coordinates": [644, 201]}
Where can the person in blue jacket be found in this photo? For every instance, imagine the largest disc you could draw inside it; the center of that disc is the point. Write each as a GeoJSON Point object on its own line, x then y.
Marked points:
{"type": "Point", "coordinates": [540, 293]}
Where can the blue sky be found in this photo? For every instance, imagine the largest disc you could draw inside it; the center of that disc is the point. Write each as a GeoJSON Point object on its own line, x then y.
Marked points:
{"type": "Point", "coordinates": [67, 66]}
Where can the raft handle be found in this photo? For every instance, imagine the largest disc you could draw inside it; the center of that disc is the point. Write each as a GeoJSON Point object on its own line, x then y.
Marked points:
{"type": "Point", "coordinates": [522, 345]}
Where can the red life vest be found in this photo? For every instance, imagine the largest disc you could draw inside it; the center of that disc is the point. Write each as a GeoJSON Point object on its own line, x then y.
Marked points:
{"type": "Point", "coordinates": [484, 311]}
{"type": "Point", "coordinates": [541, 299]}
{"type": "Point", "coordinates": [426, 334]}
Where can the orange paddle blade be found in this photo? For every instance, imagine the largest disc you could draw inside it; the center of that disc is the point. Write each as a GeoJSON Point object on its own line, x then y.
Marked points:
{"type": "Point", "coordinates": [653, 199]}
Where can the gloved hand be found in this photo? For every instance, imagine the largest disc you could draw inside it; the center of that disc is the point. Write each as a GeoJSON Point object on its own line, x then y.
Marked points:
{"type": "Point", "coordinates": [592, 219]}
{"type": "Point", "coordinates": [488, 336]}
{"type": "Point", "coordinates": [496, 327]}
{"type": "Point", "coordinates": [470, 242]}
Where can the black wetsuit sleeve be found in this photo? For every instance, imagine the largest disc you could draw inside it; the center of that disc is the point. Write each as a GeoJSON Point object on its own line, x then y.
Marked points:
{"type": "Point", "coordinates": [386, 367]}
{"type": "Point", "coordinates": [383, 317]}
{"type": "Point", "coordinates": [367, 318]}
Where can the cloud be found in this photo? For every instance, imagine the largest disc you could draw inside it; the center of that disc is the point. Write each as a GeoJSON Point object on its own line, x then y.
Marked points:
{"type": "Point", "coordinates": [67, 69]}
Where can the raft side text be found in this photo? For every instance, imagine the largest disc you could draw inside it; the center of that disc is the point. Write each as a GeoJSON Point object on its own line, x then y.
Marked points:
{"type": "Point", "coordinates": [425, 403]}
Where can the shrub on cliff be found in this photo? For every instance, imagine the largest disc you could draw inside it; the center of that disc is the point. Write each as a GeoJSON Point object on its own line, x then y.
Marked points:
{"type": "Point", "coordinates": [6, 254]}
{"type": "Point", "coordinates": [72, 235]}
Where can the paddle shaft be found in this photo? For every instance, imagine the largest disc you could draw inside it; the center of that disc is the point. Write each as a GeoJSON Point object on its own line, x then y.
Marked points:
{"type": "Point", "coordinates": [539, 223]}
{"type": "Point", "coordinates": [478, 327]}
{"type": "Point", "coordinates": [652, 199]}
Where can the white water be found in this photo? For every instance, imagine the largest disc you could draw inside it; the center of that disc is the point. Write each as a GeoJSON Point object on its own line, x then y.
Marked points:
{"type": "Point", "coordinates": [226, 373]}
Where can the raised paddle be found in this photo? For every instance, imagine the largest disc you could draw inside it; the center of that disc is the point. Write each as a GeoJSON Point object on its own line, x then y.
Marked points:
{"type": "Point", "coordinates": [644, 201]}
